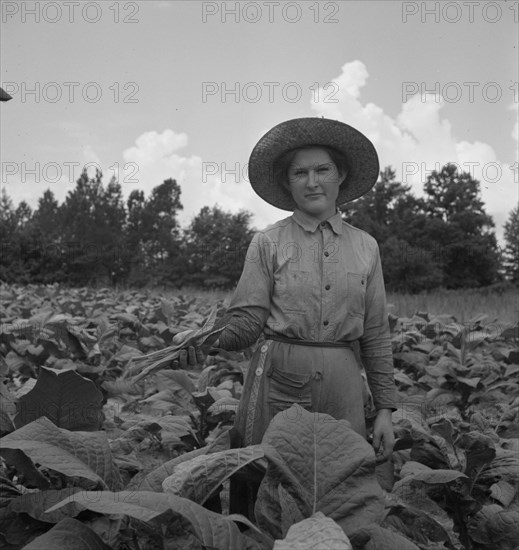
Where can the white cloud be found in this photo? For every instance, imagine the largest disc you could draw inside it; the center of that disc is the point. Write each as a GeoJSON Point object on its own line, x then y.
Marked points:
{"type": "Point", "coordinates": [202, 184]}
{"type": "Point", "coordinates": [419, 140]}
{"type": "Point", "coordinates": [515, 130]}
{"type": "Point", "coordinates": [415, 142]}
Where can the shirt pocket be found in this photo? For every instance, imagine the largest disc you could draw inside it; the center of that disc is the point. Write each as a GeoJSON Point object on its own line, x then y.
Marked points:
{"type": "Point", "coordinates": [292, 289]}
{"type": "Point", "coordinates": [356, 293]}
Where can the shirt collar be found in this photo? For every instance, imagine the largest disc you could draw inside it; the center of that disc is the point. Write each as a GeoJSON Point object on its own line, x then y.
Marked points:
{"type": "Point", "coordinates": [309, 223]}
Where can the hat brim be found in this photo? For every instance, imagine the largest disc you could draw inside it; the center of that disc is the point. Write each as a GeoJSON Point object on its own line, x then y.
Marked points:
{"type": "Point", "coordinates": [360, 154]}
{"type": "Point", "coordinates": [4, 96]}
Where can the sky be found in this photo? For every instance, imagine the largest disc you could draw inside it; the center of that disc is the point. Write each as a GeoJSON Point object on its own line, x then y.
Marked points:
{"type": "Point", "coordinates": [151, 90]}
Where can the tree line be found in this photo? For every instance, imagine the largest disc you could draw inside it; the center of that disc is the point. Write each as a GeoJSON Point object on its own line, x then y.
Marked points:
{"type": "Point", "coordinates": [443, 239]}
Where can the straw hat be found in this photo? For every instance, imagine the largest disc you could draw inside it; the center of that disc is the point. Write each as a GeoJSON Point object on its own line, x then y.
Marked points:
{"type": "Point", "coordinates": [361, 156]}
{"type": "Point", "coordinates": [4, 96]}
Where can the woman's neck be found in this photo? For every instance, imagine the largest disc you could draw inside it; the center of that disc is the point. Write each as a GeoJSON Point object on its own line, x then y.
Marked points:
{"type": "Point", "coordinates": [318, 218]}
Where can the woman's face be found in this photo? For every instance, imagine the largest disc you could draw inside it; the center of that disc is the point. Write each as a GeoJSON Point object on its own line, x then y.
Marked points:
{"type": "Point", "coordinates": [314, 181]}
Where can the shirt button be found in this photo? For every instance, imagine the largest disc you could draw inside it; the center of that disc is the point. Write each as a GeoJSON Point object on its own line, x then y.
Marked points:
{"type": "Point", "coordinates": [264, 348]}
{"type": "Point", "coordinates": [327, 287]}
{"type": "Point", "coordinates": [327, 253]}
{"type": "Point", "coordinates": [325, 323]}
{"type": "Point", "coordinates": [259, 371]}
{"type": "Point", "coordinates": [323, 224]}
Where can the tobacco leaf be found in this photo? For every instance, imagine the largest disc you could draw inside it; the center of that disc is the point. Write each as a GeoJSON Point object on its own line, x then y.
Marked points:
{"type": "Point", "coordinates": [324, 466]}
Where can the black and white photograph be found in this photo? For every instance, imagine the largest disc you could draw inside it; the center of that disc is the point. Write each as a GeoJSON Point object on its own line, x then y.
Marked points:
{"type": "Point", "coordinates": [259, 275]}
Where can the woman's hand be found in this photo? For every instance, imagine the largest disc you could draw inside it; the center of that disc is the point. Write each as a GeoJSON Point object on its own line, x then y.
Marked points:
{"type": "Point", "coordinates": [190, 356]}
{"type": "Point", "coordinates": [383, 433]}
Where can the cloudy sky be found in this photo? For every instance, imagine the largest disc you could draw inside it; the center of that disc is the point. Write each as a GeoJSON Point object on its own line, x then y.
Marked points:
{"type": "Point", "coordinates": [156, 89]}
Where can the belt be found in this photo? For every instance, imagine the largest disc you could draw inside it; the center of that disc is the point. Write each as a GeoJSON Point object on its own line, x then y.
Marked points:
{"type": "Point", "coordinates": [277, 338]}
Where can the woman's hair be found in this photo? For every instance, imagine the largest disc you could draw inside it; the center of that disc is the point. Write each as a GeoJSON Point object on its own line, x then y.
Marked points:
{"type": "Point", "coordinates": [282, 164]}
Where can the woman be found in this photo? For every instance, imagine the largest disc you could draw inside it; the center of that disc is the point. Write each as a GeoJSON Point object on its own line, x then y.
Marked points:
{"type": "Point", "coordinates": [312, 286]}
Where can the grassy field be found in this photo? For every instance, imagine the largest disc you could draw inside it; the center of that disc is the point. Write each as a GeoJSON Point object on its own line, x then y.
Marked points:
{"type": "Point", "coordinates": [464, 305]}
{"type": "Point", "coordinates": [61, 345]}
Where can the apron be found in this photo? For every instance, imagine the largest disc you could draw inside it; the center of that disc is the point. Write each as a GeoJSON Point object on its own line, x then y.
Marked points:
{"type": "Point", "coordinates": [320, 379]}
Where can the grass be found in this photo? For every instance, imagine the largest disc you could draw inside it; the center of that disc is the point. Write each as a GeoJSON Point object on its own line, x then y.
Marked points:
{"type": "Point", "coordinates": [206, 295]}
{"type": "Point", "coordinates": [464, 305]}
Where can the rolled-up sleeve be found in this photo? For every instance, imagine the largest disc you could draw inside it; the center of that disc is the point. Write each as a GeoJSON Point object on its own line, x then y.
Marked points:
{"type": "Point", "coordinates": [375, 343]}
{"type": "Point", "coordinates": [250, 305]}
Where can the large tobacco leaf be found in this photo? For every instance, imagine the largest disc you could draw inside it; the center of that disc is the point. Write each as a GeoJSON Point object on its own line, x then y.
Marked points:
{"type": "Point", "coordinates": [314, 533]}
{"type": "Point", "coordinates": [504, 466]}
{"type": "Point", "coordinates": [198, 478]}
{"type": "Point", "coordinates": [36, 503]}
{"type": "Point", "coordinates": [24, 466]}
{"type": "Point", "coordinates": [68, 534]}
{"type": "Point", "coordinates": [152, 481]}
{"type": "Point", "coordinates": [324, 466]}
{"type": "Point", "coordinates": [503, 492]}
{"type": "Point", "coordinates": [495, 527]}
{"type": "Point", "coordinates": [84, 455]}
{"type": "Point", "coordinates": [375, 537]}
{"type": "Point", "coordinates": [424, 524]}
{"type": "Point", "coordinates": [65, 397]}
{"type": "Point", "coordinates": [211, 529]}
{"type": "Point", "coordinates": [430, 476]}
{"type": "Point", "coordinates": [7, 406]}
{"type": "Point", "coordinates": [418, 516]}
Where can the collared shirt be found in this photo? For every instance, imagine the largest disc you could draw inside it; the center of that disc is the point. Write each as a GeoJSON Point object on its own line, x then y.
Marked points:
{"type": "Point", "coordinates": [318, 281]}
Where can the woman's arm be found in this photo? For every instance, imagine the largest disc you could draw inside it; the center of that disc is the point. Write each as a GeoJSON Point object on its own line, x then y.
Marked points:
{"type": "Point", "coordinates": [250, 304]}
{"type": "Point", "coordinates": [375, 343]}
{"type": "Point", "coordinates": [249, 307]}
{"type": "Point", "coordinates": [377, 358]}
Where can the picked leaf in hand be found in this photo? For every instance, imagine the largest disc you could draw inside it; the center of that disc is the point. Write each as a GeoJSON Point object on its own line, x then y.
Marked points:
{"type": "Point", "coordinates": [157, 360]}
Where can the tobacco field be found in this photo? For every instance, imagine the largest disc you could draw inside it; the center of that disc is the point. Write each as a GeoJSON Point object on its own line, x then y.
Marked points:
{"type": "Point", "coordinates": [96, 453]}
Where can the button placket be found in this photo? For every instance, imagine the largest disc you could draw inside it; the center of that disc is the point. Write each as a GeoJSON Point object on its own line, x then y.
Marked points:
{"type": "Point", "coordinates": [328, 277]}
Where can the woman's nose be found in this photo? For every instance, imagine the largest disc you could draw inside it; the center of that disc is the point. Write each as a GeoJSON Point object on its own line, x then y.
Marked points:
{"type": "Point", "coordinates": [312, 179]}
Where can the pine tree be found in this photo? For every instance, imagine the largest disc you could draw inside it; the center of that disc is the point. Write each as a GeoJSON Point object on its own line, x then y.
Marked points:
{"type": "Point", "coordinates": [511, 252]}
